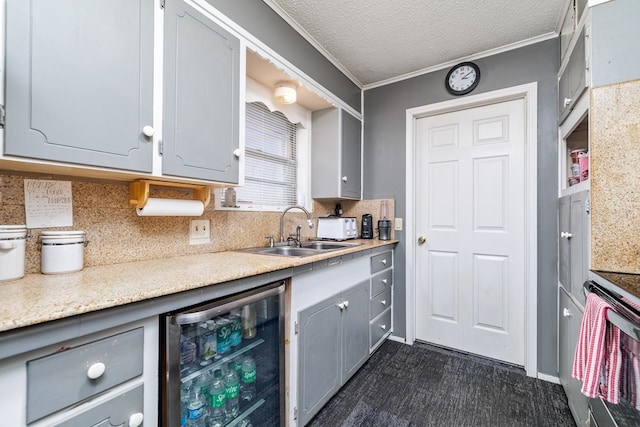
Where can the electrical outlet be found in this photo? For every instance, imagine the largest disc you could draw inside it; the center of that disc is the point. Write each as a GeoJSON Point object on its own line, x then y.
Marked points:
{"type": "Point", "coordinates": [398, 224]}
{"type": "Point", "coordinates": [199, 232]}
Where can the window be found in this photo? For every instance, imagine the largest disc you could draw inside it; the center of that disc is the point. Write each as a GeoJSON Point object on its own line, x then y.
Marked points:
{"type": "Point", "coordinates": [271, 161]}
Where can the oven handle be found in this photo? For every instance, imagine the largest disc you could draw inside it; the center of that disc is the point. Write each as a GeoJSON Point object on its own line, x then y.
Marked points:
{"type": "Point", "coordinates": [625, 325]}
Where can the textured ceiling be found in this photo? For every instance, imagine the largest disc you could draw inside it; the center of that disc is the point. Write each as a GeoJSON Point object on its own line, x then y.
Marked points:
{"type": "Point", "coordinates": [378, 40]}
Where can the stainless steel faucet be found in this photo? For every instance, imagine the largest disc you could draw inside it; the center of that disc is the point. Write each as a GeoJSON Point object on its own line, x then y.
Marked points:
{"type": "Point", "coordinates": [287, 209]}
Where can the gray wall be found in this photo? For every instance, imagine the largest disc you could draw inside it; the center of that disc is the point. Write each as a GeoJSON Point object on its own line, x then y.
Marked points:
{"type": "Point", "coordinates": [614, 42]}
{"type": "Point", "coordinates": [384, 164]}
{"type": "Point", "coordinates": [261, 21]}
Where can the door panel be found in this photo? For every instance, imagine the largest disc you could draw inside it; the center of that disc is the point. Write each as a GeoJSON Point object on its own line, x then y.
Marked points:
{"type": "Point", "coordinates": [471, 206]}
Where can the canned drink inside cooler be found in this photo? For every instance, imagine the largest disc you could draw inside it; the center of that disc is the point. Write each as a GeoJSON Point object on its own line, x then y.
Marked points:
{"type": "Point", "coordinates": [224, 335]}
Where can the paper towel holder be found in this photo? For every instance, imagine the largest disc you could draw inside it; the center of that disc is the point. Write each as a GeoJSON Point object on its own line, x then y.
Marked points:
{"type": "Point", "coordinates": [139, 191]}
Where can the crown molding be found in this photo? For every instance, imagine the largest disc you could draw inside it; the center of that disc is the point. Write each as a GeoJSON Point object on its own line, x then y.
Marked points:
{"type": "Point", "coordinates": [300, 30]}
{"type": "Point", "coordinates": [475, 56]}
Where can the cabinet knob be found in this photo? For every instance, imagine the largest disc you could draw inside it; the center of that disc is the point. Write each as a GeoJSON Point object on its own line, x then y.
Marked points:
{"type": "Point", "coordinates": [237, 152]}
{"type": "Point", "coordinates": [340, 305]}
{"type": "Point", "coordinates": [148, 131]}
{"type": "Point", "coordinates": [346, 303]}
{"type": "Point", "coordinates": [384, 281]}
{"type": "Point", "coordinates": [96, 370]}
{"type": "Point", "coordinates": [344, 178]}
{"type": "Point", "coordinates": [136, 419]}
{"type": "Point", "coordinates": [383, 302]}
{"type": "Point", "coordinates": [384, 261]}
{"type": "Point", "coordinates": [566, 235]}
{"type": "Point", "coordinates": [566, 312]}
{"type": "Point", "coordinates": [383, 327]}
{"type": "Point", "coordinates": [567, 102]}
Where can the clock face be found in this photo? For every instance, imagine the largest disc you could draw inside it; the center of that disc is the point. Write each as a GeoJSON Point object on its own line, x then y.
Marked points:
{"type": "Point", "coordinates": [463, 78]}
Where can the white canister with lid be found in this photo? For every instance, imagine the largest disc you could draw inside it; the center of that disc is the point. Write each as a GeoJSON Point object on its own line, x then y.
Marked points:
{"type": "Point", "coordinates": [12, 253]}
{"type": "Point", "coordinates": [62, 251]}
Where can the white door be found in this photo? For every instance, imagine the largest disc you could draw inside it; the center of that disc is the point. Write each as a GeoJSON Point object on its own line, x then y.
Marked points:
{"type": "Point", "coordinates": [470, 208]}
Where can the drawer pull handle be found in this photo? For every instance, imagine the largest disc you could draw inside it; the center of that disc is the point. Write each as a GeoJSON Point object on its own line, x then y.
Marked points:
{"type": "Point", "coordinates": [383, 302]}
{"type": "Point", "coordinates": [384, 281]}
{"type": "Point", "coordinates": [384, 262]}
{"type": "Point", "coordinates": [383, 327]}
{"type": "Point", "coordinates": [136, 419]}
{"type": "Point", "coordinates": [96, 370]}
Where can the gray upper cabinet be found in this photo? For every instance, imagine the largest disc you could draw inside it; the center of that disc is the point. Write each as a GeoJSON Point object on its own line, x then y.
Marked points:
{"type": "Point", "coordinates": [202, 77]}
{"type": "Point", "coordinates": [79, 82]}
{"type": "Point", "coordinates": [336, 155]}
{"type": "Point", "coordinates": [573, 80]}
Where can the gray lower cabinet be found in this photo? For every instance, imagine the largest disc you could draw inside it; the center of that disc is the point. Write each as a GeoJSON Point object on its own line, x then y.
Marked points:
{"type": "Point", "coordinates": [202, 78]}
{"type": "Point", "coordinates": [333, 345]}
{"type": "Point", "coordinates": [336, 155]}
{"type": "Point", "coordinates": [381, 298]}
{"type": "Point", "coordinates": [79, 82]}
{"type": "Point", "coordinates": [573, 220]}
{"type": "Point", "coordinates": [119, 411]}
{"type": "Point", "coordinates": [569, 318]}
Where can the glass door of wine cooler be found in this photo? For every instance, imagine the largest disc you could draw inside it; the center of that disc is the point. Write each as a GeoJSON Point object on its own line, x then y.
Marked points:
{"type": "Point", "coordinates": [224, 362]}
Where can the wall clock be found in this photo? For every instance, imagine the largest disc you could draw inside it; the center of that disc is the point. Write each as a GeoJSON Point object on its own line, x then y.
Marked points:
{"type": "Point", "coordinates": [462, 78]}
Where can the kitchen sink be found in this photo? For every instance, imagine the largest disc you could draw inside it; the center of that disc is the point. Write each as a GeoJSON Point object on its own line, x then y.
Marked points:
{"type": "Point", "coordinates": [327, 246]}
{"type": "Point", "coordinates": [308, 248]}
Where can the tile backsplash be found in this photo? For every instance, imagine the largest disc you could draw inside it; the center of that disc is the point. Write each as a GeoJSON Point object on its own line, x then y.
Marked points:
{"type": "Point", "coordinates": [116, 234]}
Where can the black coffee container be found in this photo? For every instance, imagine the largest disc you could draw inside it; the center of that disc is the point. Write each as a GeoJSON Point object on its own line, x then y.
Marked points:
{"type": "Point", "coordinates": [367, 227]}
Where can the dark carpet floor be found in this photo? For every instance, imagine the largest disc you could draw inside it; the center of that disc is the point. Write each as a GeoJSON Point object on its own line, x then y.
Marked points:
{"type": "Point", "coordinates": [423, 385]}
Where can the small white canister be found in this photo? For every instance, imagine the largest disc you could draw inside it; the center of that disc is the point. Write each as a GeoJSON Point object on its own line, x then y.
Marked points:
{"type": "Point", "coordinates": [12, 238]}
{"type": "Point", "coordinates": [62, 251]}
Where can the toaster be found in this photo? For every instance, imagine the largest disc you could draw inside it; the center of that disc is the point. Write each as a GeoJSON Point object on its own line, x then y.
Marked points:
{"type": "Point", "coordinates": [337, 228]}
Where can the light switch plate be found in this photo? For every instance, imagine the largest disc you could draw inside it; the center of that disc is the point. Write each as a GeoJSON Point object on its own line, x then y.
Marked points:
{"type": "Point", "coordinates": [398, 224]}
{"type": "Point", "coordinates": [199, 232]}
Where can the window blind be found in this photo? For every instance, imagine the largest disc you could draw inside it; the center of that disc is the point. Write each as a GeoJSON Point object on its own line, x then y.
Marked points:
{"type": "Point", "coordinates": [270, 159]}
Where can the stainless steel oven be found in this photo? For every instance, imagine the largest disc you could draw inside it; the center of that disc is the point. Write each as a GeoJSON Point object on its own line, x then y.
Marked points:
{"type": "Point", "coordinates": [627, 318]}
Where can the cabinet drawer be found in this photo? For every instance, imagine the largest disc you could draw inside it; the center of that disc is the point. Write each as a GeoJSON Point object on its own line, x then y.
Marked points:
{"type": "Point", "coordinates": [380, 302]}
{"type": "Point", "coordinates": [380, 262]}
{"type": "Point", "coordinates": [381, 281]}
{"type": "Point", "coordinates": [61, 379]}
{"type": "Point", "coordinates": [114, 412]}
{"type": "Point", "coordinates": [380, 326]}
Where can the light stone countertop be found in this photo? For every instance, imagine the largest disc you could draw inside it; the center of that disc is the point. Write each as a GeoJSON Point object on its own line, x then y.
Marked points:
{"type": "Point", "coordinates": [39, 298]}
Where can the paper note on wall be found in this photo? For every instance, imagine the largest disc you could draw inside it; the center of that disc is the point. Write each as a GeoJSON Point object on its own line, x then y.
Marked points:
{"type": "Point", "coordinates": [48, 203]}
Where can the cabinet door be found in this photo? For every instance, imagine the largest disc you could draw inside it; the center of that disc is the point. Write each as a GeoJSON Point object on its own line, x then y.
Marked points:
{"type": "Point", "coordinates": [564, 248]}
{"type": "Point", "coordinates": [569, 319]}
{"type": "Point", "coordinates": [79, 81]}
{"type": "Point", "coordinates": [201, 97]}
{"type": "Point", "coordinates": [351, 156]}
{"type": "Point", "coordinates": [579, 263]}
{"type": "Point", "coordinates": [355, 324]}
{"type": "Point", "coordinates": [319, 359]}
{"type": "Point", "coordinates": [573, 80]}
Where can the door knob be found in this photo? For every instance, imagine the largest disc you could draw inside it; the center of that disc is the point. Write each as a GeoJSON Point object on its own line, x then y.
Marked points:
{"type": "Point", "coordinates": [421, 240]}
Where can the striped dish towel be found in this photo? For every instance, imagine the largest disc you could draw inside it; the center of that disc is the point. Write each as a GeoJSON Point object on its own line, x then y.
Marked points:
{"type": "Point", "coordinates": [598, 359]}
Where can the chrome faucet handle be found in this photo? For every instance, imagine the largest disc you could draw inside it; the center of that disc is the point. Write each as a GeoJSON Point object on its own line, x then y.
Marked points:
{"type": "Point", "coordinates": [271, 242]}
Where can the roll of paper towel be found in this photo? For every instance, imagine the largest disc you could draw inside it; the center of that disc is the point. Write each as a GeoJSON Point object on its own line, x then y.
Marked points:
{"type": "Point", "coordinates": [171, 207]}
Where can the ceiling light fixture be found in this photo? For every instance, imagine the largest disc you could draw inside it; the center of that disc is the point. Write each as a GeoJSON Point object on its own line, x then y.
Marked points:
{"type": "Point", "coordinates": [285, 93]}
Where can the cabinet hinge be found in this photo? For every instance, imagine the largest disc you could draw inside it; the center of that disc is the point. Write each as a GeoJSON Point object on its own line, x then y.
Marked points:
{"type": "Point", "coordinates": [1, 115]}
{"type": "Point", "coordinates": [162, 4]}
{"type": "Point", "coordinates": [296, 328]}
{"type": "Point", "coordinates": [295, 412]}
{"type": "Point", "coordinates": [160, 147]}
{"type": "Point", "coordinates": [587, 206]}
